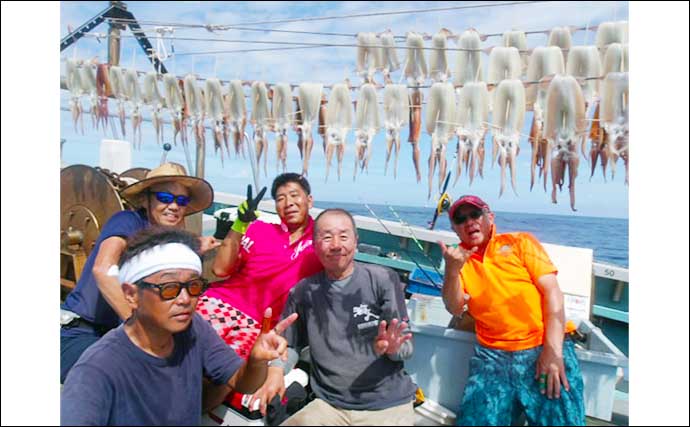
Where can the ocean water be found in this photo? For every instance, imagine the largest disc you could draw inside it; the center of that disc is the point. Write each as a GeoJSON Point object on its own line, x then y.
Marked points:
{"type": "Point", "coordinates": [608, 237]}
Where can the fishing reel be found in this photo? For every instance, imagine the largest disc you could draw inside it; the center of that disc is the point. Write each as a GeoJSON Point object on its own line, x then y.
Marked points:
{"type": "Point", "coordinates": [444, 203]}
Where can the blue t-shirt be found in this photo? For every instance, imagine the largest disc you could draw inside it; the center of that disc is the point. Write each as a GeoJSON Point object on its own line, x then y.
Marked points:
{"type": "Point", "coordinates": [117, 383]}
{"type": "Point", "coordinates": [86, 299]}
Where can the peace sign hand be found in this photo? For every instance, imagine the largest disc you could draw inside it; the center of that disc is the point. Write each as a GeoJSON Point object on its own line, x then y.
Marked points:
{"type": "Point", "coordinates": [247, 211]}
{"type": "Point", "coordinates": [455, 256]}
{"type": "Point", "coordinates": [271, 345]}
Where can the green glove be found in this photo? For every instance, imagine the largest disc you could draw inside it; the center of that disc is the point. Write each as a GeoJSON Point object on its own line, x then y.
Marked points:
{"type": "Point", "coordinates": [247, 211]}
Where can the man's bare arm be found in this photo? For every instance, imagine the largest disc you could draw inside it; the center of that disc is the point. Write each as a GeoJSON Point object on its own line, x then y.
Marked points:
{"type": "Point", "coordinates": [108, 255]}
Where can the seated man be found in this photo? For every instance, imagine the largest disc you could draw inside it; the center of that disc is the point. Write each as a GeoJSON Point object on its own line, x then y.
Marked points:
{"type": "Point", "coordinates": [149, 370]}
{"type": "Point", "coordinates": [349, 317]}
{"type": "Point", "coordinates": [521, 363]}
{"type": "Point", "coordinates": [261, 263]}
{"type": "Point", "coordinates": [97, 304]}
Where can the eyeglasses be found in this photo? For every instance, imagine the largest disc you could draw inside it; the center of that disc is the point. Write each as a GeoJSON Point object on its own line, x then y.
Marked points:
{"type": "Point", "coordinates": [165, 197]}
{"type": "Point", "coordinates": [170, 290]}
{"type": "Point", "coordinates": [460, 219]}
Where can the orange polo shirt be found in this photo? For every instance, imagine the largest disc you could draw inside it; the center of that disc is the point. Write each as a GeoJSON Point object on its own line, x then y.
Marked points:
{"type": "Point", "coordinates": [505, 302]}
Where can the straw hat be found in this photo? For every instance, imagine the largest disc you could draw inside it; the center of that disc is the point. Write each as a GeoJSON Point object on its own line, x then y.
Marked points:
{"type": "Point", "coordinates": [200, 191]}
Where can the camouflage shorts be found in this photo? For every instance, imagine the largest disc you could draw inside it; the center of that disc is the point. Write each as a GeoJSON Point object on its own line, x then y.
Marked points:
{"type": "Point", "coordinates": [501, 390]}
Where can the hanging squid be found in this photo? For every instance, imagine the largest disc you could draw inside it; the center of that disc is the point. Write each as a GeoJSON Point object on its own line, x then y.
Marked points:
{"type": "Point", "coordinates": [154, 99]}
{"type": "Point", "coordinates": [415, 72]}
{"type": "Point", "coordinates": [439, 70]}
{"type": "Point", "coordinates": [614, 119]}
{"type": "Point", "coordinates": [611, 32]}
{"type": "Point", "coordinates": [134, 96]}
{"type": "Point", "coordinates": [194, 102]}
{"type": "Point", "coordinates": [584, 64]}
{"type": "Point", "coordinates": [338, 124]}
{"type": "Point", "coordinates": [396, 109]}
{"type": "Point", "coordinates": [117, 81]}
{"type": "Point", "coordinates": [389, 55]}
{"type": "Point", "coordinates": [369, 56]}
{"type": "Point", "coordinates": [88, 81]}
{"type": "Point", "coordinates": [561, 37]}
{"type": "Point", "coordinates": [615, 61]}
{"type": "Point", "coordinates": [322, 122]}
{"type": "Point", "coordinates": [471, 122]}
{"type": "Point", "coordinates": [440, 115]}
{"type": "Point", "coordinates": [297, 127]}
{"type": "Point", "coordinates": [368, 124]}
{"type": "Point", "coordinates": [282, 117]}
{"type": "Point", "coordinates": [103, 90]}
{"type": "Point", "coordinates": [235, 116]}
{"type": "Point", "coordinates": [608, 34]}
{"type": "Point", "coordinates": [544, 63]}
{"type": "Point", "coordinates": [310, 103]}
{"type": "Point", "coordinates": [508, 117]}
{"type": "Point", "coordinates": [215, 111]}
{"type": "Point", "coordinates": [73, 81]}
{"type": "Point", "coordinates": [504, 64]}
{"type": "Point", "coordinates": [261, 119]}
{"type": "Point", "coordinates": [469, 64]}
{"type": "Point", "coordinates": [175, 102]}
{"type": "Point", "coordinates": [517, 39]}
{"type": "Point", "coordinates": [564, 128]}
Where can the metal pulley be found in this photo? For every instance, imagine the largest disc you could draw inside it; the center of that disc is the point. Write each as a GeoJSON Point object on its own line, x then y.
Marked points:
{"type": "Point", "coordinates": [88, 198]}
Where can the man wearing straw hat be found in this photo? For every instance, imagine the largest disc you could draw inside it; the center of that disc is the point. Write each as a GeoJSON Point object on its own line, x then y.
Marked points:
{"type": "Point", "coordinates": [97, 304]}
{"type": "Point", "coordinates": [149, 370]}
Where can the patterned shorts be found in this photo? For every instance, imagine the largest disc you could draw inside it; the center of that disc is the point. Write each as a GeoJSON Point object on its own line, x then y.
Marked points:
{"type": "Point", "coordinates": [501, 390]}
{"type": "Point", "coordinates": [238, 330]}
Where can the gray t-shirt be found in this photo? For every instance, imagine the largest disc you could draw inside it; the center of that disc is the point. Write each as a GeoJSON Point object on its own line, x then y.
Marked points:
{"type": "Point", "coordinates": [339, 323]}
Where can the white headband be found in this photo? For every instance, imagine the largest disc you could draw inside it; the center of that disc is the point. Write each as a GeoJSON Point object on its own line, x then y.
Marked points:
{"type": "Point", "coordinates": [163, 257]}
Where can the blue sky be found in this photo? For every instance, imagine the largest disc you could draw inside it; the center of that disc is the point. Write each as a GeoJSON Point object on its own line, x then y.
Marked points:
{"type": "Point", "coordinates": [331, 65]}
{"type": "Point", "coordinates": [658, 192]}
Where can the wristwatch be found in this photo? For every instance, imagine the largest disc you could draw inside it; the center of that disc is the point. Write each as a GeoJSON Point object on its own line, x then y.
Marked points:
{"type": "Point", "coordinates": [279, 363]}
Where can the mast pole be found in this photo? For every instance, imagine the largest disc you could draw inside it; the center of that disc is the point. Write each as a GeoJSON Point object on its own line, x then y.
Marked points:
{"type": "Point", "coordinates": [114, 36]}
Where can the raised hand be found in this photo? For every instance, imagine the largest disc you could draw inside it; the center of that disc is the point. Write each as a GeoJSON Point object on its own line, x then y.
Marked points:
{"type": "Point", "coordinates": [208, 243]}
{"type": "Point", "coordinates": [271, 345]}
{"type": "Point", "coordinates": [455, 256]}
{"type": "Point", "coordinates": [247, 211]}
{"type": "Point", "coordinates": [390, 339]}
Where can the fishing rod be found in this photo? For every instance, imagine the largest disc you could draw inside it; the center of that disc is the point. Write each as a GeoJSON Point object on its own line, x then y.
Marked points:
{"type": "Point", "coordinates": [252, 159]}
{"type": "Point", "coordinates": [431, 280]}
{"type": "Point", "coordinates": [414, 238]}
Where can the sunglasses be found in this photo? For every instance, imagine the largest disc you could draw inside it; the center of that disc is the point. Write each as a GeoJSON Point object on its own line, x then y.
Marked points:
{"type": "Point", "coordinates": [460, 219]}
{"type": "Point", "coordinates": [171, 290]}
{"type": "Point", "coordinates": [165, 197]}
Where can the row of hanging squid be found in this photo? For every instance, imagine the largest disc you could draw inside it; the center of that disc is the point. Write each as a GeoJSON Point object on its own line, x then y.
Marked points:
{"type": "Point", "coordinates": [564, 92]}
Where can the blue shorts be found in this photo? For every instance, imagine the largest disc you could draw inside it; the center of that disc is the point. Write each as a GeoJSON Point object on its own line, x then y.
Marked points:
{"type": "Point", "coordinates": [501, 390]}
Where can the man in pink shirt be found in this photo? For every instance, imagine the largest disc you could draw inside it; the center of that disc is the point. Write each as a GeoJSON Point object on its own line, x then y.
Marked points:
{"type": "Point", "coordinates": [262, 262]}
